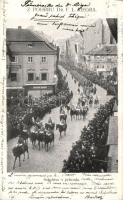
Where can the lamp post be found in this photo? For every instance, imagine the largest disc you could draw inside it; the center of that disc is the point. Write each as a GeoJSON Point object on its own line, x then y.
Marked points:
{"type": "Point", "coordinates": [55, 81]}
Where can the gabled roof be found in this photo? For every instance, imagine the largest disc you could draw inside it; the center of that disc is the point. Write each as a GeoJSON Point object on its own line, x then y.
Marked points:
{"type": "Point", "coordinates": [18, 40]}
{"type": "Point", "coordinates": [37, 48]}
{"type": "Point", "coordinates": [21, 35]}
{"type": "Point", "coordinates": [38, 34]}
{"type": "Point", "coordinates": [104, 50]}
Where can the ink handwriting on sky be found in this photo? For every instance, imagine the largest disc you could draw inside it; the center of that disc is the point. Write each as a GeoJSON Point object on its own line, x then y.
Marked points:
{"type": "Point", "coordinates": [77, 5]}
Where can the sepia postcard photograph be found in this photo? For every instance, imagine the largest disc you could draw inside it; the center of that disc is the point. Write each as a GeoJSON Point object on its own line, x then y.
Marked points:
{"type": "Point", "coordinates": [61, 68]}
{"type": "Point", "coordinates": [62, 96]}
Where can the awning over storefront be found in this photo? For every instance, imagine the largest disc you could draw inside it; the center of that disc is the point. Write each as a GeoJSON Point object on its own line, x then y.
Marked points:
{"type": "Point", "coordinates": [35, 84]}
{"type": "Point", "coordinates": [15, 88]}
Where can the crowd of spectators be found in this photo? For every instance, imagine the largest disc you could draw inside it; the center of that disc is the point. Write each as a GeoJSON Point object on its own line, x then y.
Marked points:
{"type": "Point", "coordinates": [21, 109]}
{"type": "Point", "coordinates": [109, 82]}
{"type": "Point", "coordinates": [89, 153]}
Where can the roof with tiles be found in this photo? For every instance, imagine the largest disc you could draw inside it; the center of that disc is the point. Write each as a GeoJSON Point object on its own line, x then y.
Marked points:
{"type": "Point", "coordinates": [25, 41]}
{"type": "Point", "coordinates": [104, 50]}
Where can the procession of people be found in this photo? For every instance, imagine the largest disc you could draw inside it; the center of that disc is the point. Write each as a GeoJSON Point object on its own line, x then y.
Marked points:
{"type": "Point", "coordinates": [44, 132]}
{"type": "Point", "coordinates": [39, 134]}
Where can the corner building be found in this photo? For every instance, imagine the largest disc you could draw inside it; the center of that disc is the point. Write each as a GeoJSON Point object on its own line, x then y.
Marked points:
{"type": "Point", "coordinates": [31, 63]}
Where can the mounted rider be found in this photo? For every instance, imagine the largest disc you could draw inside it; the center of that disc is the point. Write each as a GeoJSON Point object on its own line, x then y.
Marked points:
{"type": "Point", "coordinates": [20, 141]}
{"type": "Point", "coordinates": [78, 107]}
{"type": "Point", "coordinates": [42, 128]}
{"type": "Point", "coordinates": [34, 129]}
{"type": "Point", "coordinates": [62, 112]}
{"type": "Point", "coordinates": [61, 108]}
{"type": "Point", "coordinates": [49, 131]}
{"type": "Point", "coordinates": [62, 122]}
{"type": "Point", "coordinates": [24, 130]}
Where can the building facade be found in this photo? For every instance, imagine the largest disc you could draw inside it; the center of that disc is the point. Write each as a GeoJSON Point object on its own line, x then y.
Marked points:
{"type": "Point", "coordinates": [102, 60]}
{"type": "Point", "coordinates": [75, 49]}
{"type": "Point", "coordinates": [31, 63]}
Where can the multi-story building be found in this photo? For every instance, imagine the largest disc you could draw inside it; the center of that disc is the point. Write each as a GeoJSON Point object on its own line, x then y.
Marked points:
{"type": "Point", "coordinates": [103, 59]}
{"type": "Point", "coordinates": [76, 48]}
{"type": "Point", "coordinates": [31, 62]}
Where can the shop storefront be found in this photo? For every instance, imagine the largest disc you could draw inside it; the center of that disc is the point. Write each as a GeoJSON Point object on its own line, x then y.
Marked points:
{"type": "Point", "coordinates": [38, 90]}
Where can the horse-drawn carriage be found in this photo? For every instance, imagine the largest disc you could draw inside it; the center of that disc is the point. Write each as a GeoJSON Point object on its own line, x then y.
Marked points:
{"type": "Point", "coordinates": [42, 135]}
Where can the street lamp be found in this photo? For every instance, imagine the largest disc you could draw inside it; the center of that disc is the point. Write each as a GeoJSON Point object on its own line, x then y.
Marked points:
{"type": "Point", "coordinates": [55, 81]}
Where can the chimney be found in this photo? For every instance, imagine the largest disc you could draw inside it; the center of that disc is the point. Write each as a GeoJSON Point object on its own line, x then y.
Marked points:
{"type": "Point", "coordinates": [19, 27]}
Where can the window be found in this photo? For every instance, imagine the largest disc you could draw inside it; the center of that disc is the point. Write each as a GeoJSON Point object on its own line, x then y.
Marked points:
{"type": "Point", "coordinates": [30, 76]}
{"type": "Point", "coordinates": [29, 59]}
{"type": "Point", "coordinates": [14, 59]}
{"type": "Point", "coordinates": [43, 59]}
{"type": "Point", "coordinates": [44, 76]}
{"type": "Point", "coordinates": [13, 77]}
{"type": "Point", "coordinates": [30, 45]}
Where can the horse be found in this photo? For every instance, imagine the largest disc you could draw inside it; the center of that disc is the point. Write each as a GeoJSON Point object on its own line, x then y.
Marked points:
{"type": "Point", "coordinates": [62, 128]}
{"type": "Point", "coordinates": [18, 151]}
{"type": "Point", "coordinates": [33, 138]}
{"type": "Point", "coordinates": [40, 137]}
{"type": "Point", "coordinates": [33, 135]}
{"type": "Point", "coordinates": [50, 125]}
{"type": "Point", "coordinates": [48, 138]}
{"type": "Point", "coordinates": [85, 111]}
{"type": "Point", "coordinates": [72, 113]}
{"type": "Point", "coordinates": [63, 116]}
{"type": "Point", "coordinates": [76, 112]}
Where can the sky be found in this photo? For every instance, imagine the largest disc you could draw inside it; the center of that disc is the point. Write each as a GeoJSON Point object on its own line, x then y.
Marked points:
{"type": "Point", "coordinates": [19, 16]}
